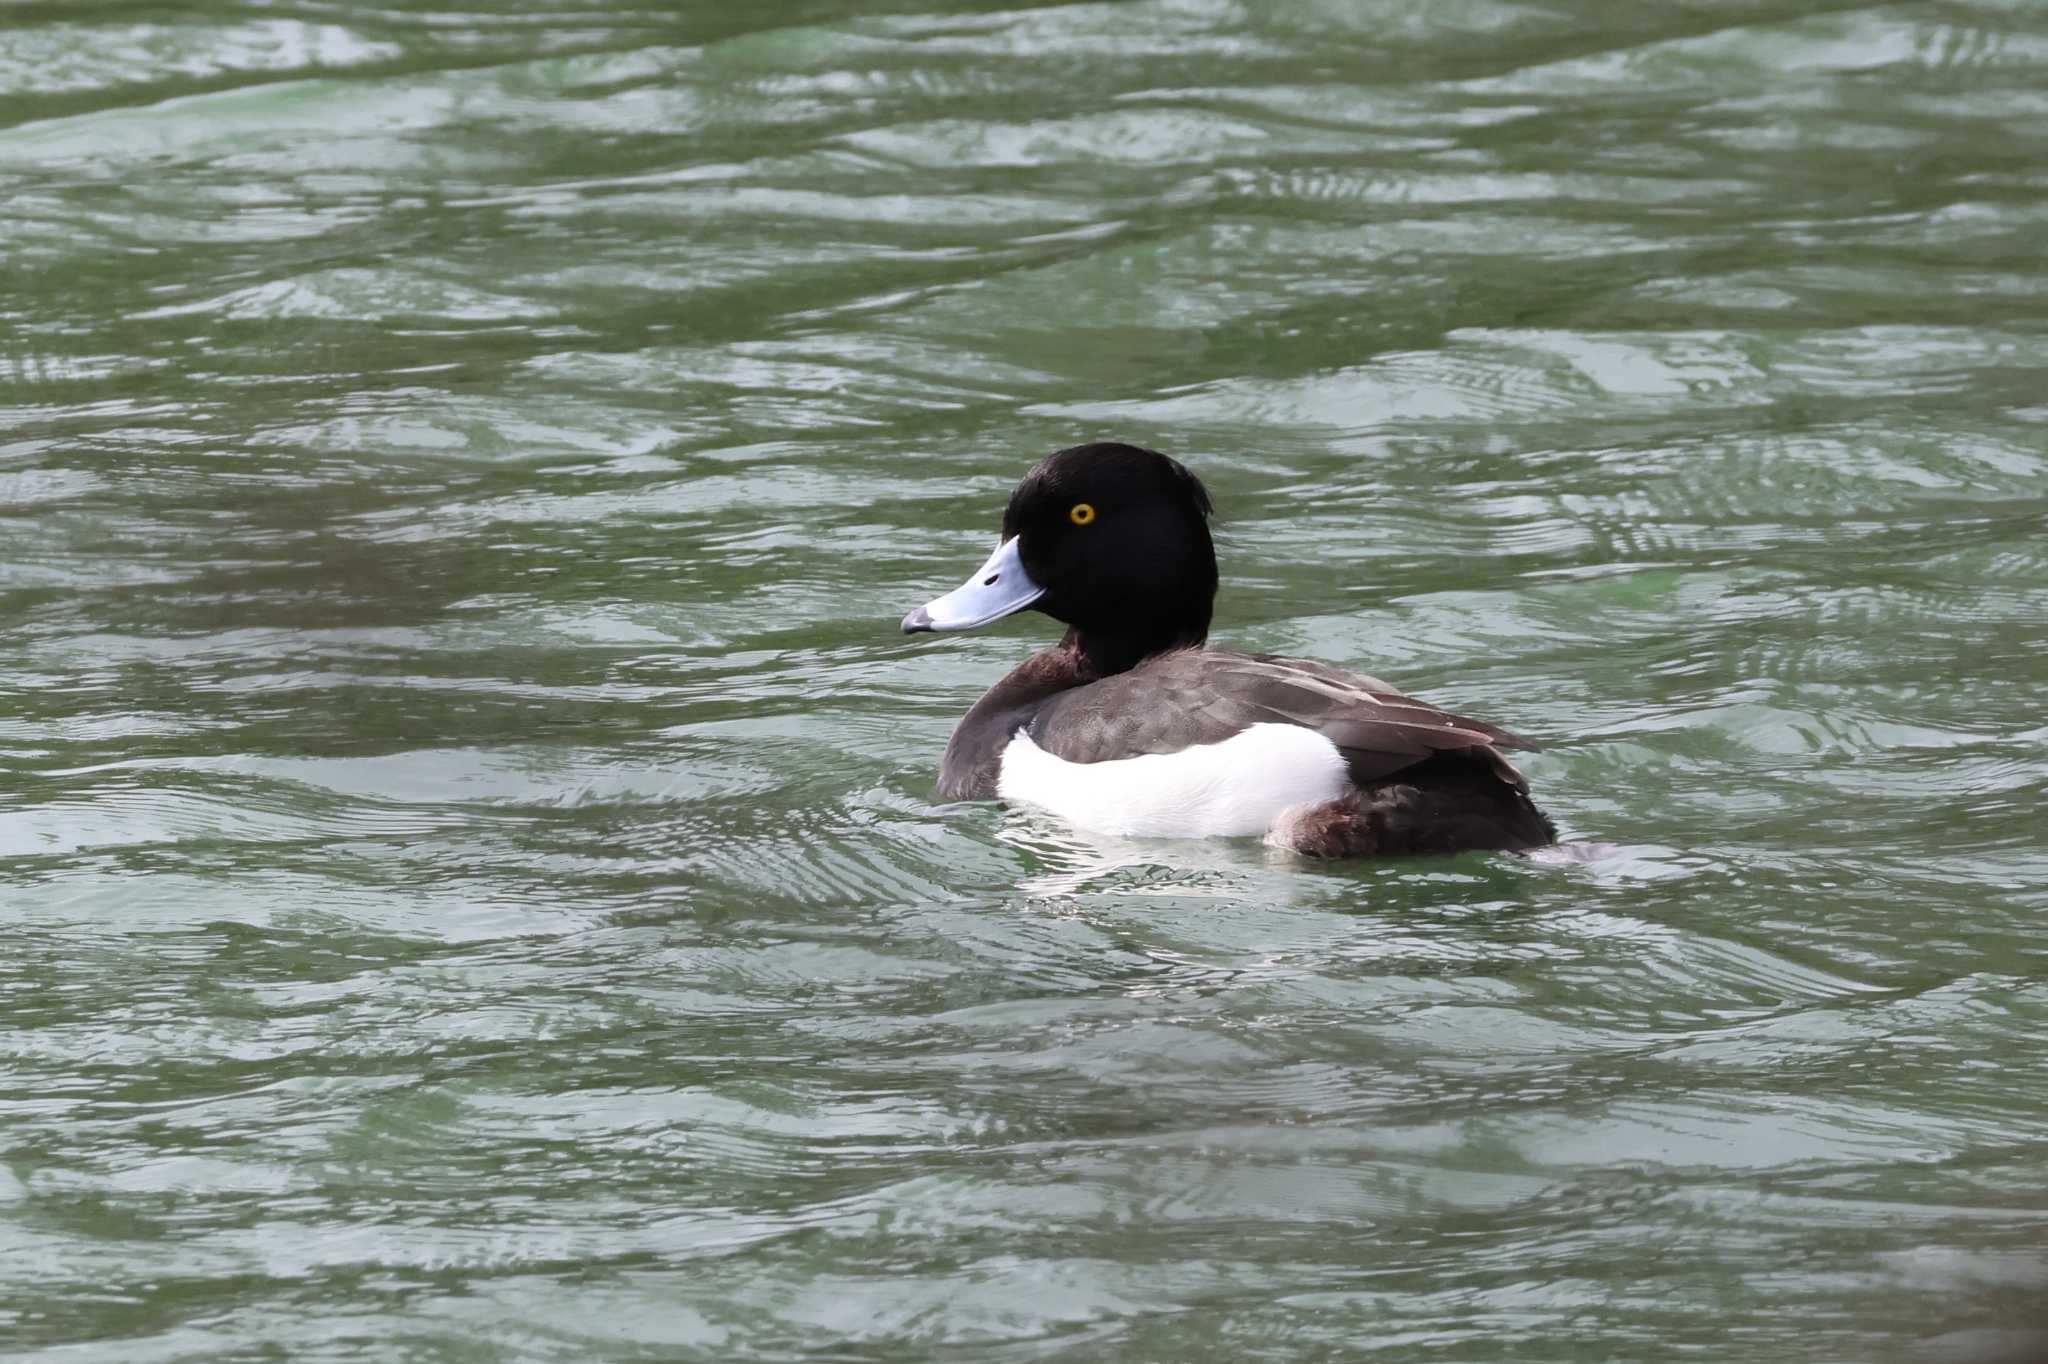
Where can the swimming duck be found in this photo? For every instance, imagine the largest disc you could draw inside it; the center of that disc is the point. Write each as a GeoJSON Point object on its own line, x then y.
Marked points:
{"type": "Point", "coordinates": [1133, 725]}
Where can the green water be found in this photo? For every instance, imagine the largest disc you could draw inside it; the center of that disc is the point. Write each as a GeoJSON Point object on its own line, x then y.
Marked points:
{"type": "Point", "coordinates": [472, 884]}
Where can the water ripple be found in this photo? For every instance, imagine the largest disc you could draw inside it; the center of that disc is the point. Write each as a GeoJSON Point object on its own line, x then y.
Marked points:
{"type": "Point", "coordinates": [472, 865]}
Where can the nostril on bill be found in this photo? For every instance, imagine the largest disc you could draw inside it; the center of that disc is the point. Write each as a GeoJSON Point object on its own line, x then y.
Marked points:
{"type": "Point", "coordinates": [990, 580]}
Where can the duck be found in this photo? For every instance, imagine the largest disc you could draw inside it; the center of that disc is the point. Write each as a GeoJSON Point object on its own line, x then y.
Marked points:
{"type": "Point", "coordinates": [1134, 725]}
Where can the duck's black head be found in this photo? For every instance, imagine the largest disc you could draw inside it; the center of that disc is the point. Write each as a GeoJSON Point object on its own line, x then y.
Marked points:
{"type": "Point", "coordinates": [1111, 539]}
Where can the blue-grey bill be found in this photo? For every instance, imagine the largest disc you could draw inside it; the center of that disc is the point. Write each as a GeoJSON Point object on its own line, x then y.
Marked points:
{"type": "Point", "coordinates": [997, 588]}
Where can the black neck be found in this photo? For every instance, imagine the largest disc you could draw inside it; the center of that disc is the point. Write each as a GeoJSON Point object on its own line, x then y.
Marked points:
{"type": "Point", "coordinates": [1105, 653]}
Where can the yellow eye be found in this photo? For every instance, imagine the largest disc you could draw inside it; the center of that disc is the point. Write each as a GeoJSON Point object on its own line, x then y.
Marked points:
{"type": "Point", "coordinates": [1081, 513]}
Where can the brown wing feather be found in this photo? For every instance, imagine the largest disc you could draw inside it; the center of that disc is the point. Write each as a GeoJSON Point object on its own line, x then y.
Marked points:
{"type": "Point", "coordinates": [1203, 696]}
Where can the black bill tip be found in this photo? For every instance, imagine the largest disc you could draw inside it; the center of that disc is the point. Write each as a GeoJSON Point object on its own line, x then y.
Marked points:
{"type": "Point", "coordinates": [918, 622]}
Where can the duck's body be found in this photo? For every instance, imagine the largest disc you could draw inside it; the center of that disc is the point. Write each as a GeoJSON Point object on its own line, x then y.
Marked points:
{"type": "Point", "coordinates": [1131, 726]}
{"type": "Point", "coordinates": [1211, 743]}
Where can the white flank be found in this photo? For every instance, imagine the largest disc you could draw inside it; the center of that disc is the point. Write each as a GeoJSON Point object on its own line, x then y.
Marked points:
{"type": "Point", "coordinates": [1237, 787]}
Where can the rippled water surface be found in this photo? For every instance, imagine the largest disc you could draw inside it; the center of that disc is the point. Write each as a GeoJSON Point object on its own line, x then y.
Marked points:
{"type": "Point", "coordinates": [473, 887]}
